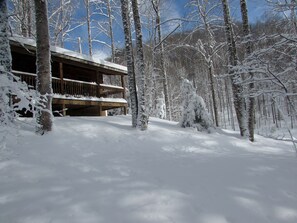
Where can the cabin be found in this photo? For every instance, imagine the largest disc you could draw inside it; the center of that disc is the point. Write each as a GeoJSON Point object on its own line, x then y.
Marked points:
{"type": "Point", "coordinates": [77, 80]}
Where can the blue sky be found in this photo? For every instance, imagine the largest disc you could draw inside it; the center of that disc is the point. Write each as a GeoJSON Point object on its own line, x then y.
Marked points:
{"type": "Point", "coordinates": [256, 8]}
{"type": "Point", "coordinates": [174, 9]}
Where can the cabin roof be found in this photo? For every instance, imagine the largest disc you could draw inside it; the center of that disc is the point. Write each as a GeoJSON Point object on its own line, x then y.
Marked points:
{"type": "Point", "coordinates": [74, 57]}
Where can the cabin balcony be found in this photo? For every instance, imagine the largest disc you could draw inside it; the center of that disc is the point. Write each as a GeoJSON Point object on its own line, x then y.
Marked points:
{"type": "Point", "coordinates": [74, 93]}
{"type": "Point", "coordinates": [77, 80]}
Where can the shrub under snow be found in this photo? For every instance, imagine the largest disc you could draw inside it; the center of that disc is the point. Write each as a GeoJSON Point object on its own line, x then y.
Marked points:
{"type": "Point", "coordinates": [13, 90]}
{"type": "Point", "coordinates": [194, 112]}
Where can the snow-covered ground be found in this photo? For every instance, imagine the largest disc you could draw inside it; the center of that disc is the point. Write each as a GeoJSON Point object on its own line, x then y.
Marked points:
{"type": "Point", "coordinates": [99, 169]}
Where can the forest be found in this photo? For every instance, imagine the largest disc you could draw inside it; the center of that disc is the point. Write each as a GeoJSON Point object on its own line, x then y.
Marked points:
{"type": "Point", "coordinates": [245, 72]}
{"type": "Point", "coordinates": [148, 111]}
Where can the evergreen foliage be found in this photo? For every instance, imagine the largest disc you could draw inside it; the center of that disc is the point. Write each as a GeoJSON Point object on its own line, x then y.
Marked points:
{"type": "Point", "coordinates": [194, 112]}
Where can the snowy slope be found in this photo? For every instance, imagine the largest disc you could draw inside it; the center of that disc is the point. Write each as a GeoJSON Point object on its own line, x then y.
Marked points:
{"type": "Point", "coordinates": [93, 170]}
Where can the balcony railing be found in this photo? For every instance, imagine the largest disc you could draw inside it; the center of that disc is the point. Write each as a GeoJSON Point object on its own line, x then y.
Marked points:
{"type": "Point", "coordinates": [71, 87]}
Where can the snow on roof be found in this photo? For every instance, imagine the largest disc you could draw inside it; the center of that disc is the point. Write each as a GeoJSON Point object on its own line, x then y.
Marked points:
{"type": "Point", "coordinates": [73, 55]}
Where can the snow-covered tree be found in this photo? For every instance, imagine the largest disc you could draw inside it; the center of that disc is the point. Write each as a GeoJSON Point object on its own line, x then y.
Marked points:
{"type": "Point", "coordinates": [140, 69]}
{"type": "Point", "coordinates": [248, 51]}
{"type": "Point", "coordinates": [160, 110]}
{"type": "Point", "coordinates": [87, 3]}
{"type": "Point", "coordinates": [21, 18]}
{"type": "Point", "coordinates": [43, 82]}
{"type": "Point", "coordinates": [208, 49]}
{"type": "Point", "coordinates": [273, 64]}
{"type": "Point", "coordinates": [239, 102]}
{"type": "Point", "coordinates": [104, 15]}
{"type": "Point", "coordinates": [62, 21]}
{"type": "Point", "coordinates": [5, 67]}
{"type": "Point", "coordinates": [14, 94]}
{"type": "Point", "coordinates": [130, 61]}
{"type": "Point", "coordinates": [160, 52]}
{"type": "Point", "coordinates": [194, 112]}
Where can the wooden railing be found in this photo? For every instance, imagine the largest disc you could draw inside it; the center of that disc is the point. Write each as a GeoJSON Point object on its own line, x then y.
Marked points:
{"type": "Point", "coordinates": [74, 87]}
{"type": "Point", "coordinates": [71, 87]}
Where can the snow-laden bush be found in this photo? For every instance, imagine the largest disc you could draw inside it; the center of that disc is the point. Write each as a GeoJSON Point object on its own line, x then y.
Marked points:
{"type": "Point", "coordinates": [15, 96]}
{"type": "Point", "coordinates": [194, 112]}
{"type": "Point", "coordinates": [161, 108]}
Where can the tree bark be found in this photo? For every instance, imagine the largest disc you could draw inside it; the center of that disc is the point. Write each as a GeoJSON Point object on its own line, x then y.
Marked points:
{"type": "Point", "coordinates": [209, 55]}
{"type": "Point", "coordinates": [5, 54]}
{"type": "Point", "coordinates": [87, 2]}
{"type": "Point", "coordinates": [162, 60]}
{"type": "Point", "coordinates": [130, 61]}
{"type": "Point", "coordinates": [5, 64]}
{"type": "Point", "coordinates": [213, 95]}
{"type": "Point", "coordinates": [293, 15]}
{"type": "Point", "coordinates": [248, 51]}
{"type": "Point", "coordinates": [237, 90]}
{"type": "Point", "coordinates": [43, 57]}
{"type": "Point", "coordinates": [140, 69]}
{"type": "Point", "coordinates": [110, 31]}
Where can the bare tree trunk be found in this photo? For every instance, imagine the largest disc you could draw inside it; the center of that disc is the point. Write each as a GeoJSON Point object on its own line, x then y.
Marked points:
{"type": "Point", "coordinates": [140, 69]}
{"type": "Point", "coordinates": [29, 18]}
{"type": "Point", "coordinates": [43, 57]}
{"type": "Point", "coordinates": [213, 95]}
{"type": "Point", "coordinates": [248, 51]}
{"type": "Point", "coordinates": [5, 54]}
{"type": "Point", "coordinates": [229, 103]}
{"type": "Point", "coordinates": [130, 61]}
{"type": "Point", "coordinates": [293, 15]}
{"type": "Point", "coordinates": [162, 60]}
{"type": "Point", "coordinates": [222, 103]}
{"type": "Point", "coordinates": [61, 22]}
{"type": "Point", "coordinates": [24, 22]}
{"type": "Point", "coordinates": [5, 64]}
{"type": "Point", "coordinates": [23, 13]}
{"type": "Point", "coordinates": [111, 31]}
{"type": "Point", "coordinates": [209, 54]}
{"type": "Point", "coordinates": [239, 103]}
{"type": "Point", "coordinates": [87, 2]}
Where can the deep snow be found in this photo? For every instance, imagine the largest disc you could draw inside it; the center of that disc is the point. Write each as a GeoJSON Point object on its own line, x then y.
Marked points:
{"type": "Point", "coordinates": [99, 169]}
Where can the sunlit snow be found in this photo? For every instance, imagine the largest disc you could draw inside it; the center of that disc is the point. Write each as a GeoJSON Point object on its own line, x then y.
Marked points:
{"type": "Point", "coordinates": [99, 169]}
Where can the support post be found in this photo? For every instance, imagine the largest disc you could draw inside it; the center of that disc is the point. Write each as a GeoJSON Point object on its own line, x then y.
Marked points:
{"type": "Point", "coordinates": [124, 86]}
{"type": "Point", "coordinates": [61, 78]}
{"type": "Point", "coordinates": [99, 81]}
{"type": "Point", "coordinates": [61, 71]}
{"type": "Point", "coordinates": [63, 109]}
{"type": "Point", "coordinates": [124, 92]}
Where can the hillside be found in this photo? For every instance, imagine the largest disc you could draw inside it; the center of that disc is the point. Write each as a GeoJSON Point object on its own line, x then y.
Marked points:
{"type": "Point", "coordinates": [93, 170]}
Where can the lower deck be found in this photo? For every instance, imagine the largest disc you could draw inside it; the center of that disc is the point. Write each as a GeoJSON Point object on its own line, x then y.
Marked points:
{"type": "Point", "coordinates": [72, 106]}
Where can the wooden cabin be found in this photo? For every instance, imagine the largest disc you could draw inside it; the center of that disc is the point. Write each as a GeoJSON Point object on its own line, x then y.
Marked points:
{"type": "Point", "coordinates": [77, 80]}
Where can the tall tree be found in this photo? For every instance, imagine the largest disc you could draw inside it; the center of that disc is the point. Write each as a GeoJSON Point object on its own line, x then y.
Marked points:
{"type": "Point", "coordinates": [5, 54]}
{"type": "Point", "coordinates": [209, 48]}
{"type": "Point", "coordinates": [239, 103]}
{"type": "Point", "coordinates": [156, 5]}
{"type": "Point", "coordinates": [110, 23]}
{"type": "Point", "coordinates": [22, 17]}
{"type": "Point", "coordinates": [293, 15]}
{"type": "Point", "coordinates": [248, 51]}
{"type": "Point", "coordinates": [43, 57]}
{"type": "Point", "coordinates": [100, 17]}
{"type": "Point", "coordinates": [5, 66]}
{"type": "Point", "coordinates": [87, 3]}
{"type": "Point", "coordinates": [62, 21]}
{"type": "Point", "coordinates": [130, 61]}
{"type": "Point", "coordinates": [140, 69]}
